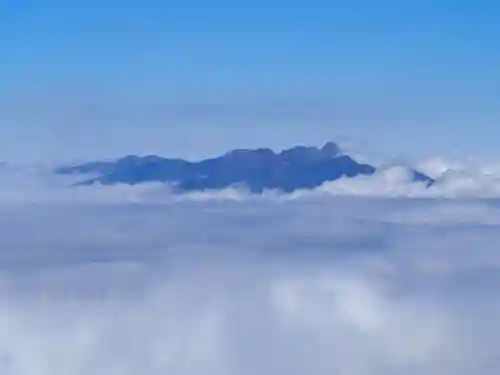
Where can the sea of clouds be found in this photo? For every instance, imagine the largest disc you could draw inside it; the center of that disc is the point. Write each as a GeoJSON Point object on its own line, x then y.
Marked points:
{"type": "Point", "coordinates": [360, 277]}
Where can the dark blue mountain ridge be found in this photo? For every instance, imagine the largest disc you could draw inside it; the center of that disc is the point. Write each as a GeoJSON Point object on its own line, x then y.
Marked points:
{"type": "Point", "coordinates": [299, 167]}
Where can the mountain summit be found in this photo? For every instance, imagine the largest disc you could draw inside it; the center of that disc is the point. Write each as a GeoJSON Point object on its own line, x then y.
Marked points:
{"type": "Point", "coordinates": [299, 167]}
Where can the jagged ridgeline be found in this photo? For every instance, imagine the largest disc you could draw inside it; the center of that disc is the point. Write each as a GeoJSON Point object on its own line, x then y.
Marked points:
{"type": "Point", "coordinates": [300, 167]}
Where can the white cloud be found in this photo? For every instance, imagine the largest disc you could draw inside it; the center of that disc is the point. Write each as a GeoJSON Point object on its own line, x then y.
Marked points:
{"type": "Point", "coordinates": [314, 284]}
{"type": "Point", "coordinates": [454, 179]}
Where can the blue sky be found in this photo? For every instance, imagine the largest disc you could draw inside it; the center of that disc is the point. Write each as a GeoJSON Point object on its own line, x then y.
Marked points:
{"type": "Point", "coordinates": [102, 78]}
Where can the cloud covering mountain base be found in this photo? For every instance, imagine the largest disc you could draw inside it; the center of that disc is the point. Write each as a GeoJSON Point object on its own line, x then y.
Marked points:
{"type": "Point", "coordinates": [312, 285]}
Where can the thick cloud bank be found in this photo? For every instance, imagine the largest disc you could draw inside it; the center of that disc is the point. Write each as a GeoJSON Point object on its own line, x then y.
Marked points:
{"type": "Point", "coordinates": [317, 284]}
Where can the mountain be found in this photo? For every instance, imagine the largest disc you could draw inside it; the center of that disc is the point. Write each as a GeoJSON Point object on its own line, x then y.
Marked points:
{"type": "Point", "coordinates": [299, 167]}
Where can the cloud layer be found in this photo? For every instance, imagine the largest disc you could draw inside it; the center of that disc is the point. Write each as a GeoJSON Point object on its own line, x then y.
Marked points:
{"type": "Point", "coordinates": [132, 280]}
{"type": "Point", "coordinates": [454, 179]}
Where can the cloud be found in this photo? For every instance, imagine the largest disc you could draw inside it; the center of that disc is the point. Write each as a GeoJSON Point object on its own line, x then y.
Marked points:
{"type": "Point", "coordinates": [124, 281]}
{"type": "Point", "coordinates": [464, 179]}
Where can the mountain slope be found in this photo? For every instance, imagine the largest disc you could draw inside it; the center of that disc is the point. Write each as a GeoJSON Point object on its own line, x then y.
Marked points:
{"type": "Point", "coordinates": [299, 167]}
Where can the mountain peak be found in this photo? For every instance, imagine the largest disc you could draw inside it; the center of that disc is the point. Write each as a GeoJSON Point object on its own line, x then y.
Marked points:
{"type": "Point", "coordinates": [330, 149]}
{"type": "Point", "coordinates": [299, 167]}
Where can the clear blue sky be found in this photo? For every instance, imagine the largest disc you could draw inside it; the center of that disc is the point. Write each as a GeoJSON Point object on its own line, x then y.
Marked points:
{"type": "Point", "coordinates": [91, 78]}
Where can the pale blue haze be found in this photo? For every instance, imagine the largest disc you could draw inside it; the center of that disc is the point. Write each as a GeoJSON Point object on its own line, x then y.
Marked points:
{"type": "Point", "coordinates": [105, 78]}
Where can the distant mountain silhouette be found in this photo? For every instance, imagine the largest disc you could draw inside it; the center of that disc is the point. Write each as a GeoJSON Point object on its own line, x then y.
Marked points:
{"type": "Point", "coordinates": [299, 167]}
